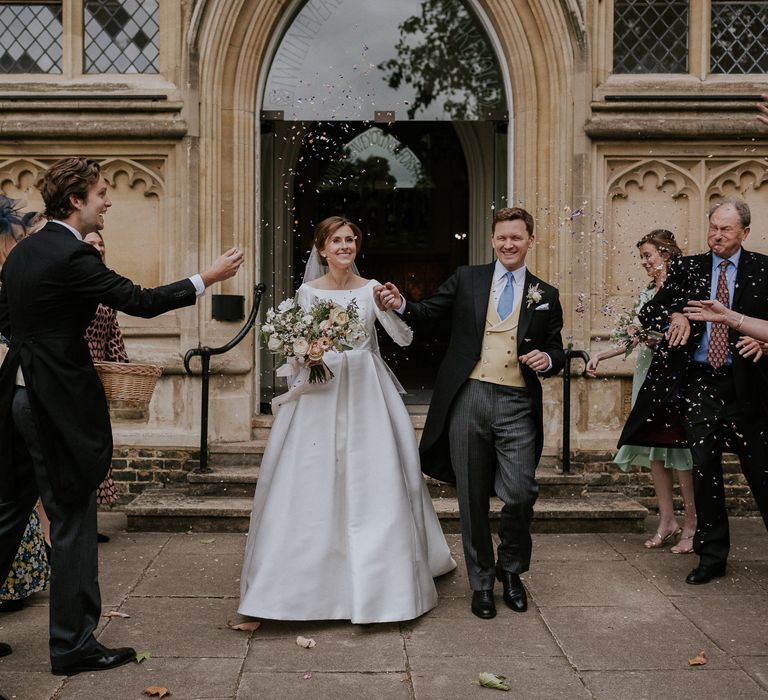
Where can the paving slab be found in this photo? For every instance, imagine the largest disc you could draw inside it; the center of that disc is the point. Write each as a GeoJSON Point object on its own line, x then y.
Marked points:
{"type": "Point", "coordinates": [668, 575]}
{"type": "Point", "coordinates": [758, 572]}
{"type": "Point", "coordinates": [576, 547]}
{"type": "Point", "coordinates": [123, 561]}
{"type": "Point", "coordinates": [685, 684]}
{"type": "Point", "coordinates": [657, 637]}
{"type": "Point", "coordinates": [205, 573]}
{"type": "Point", "coordinates": [29, 685]}
{"type": "Point", "coordinates": [580, 583]}
{"type": "Point", "coordinates": [184, 677]}
{"type": "Point", "coordinates": [196, 542]}
{"type": "Point", "coordinates": [340, 647]}
{"type": "Point", "coordinates": [756, 667]}
{"type": "Point", "coordinates": [736, 623]}
{"type": "Point", "coordinates": [324, 686]}
{"type": "Point", "coordinates": [531, 678]}
{"type": "Point", "coordinates": [27, 633]}
{"type": "Point", "coordinates": [177, 627]}
{"type": "Point", "coordinates": [523, 635]}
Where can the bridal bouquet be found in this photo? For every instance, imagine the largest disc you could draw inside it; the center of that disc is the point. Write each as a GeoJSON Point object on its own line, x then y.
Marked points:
{"type": "Point", "coordinates": [629, 329]}
{"type": "Point", "coordinates": [304, 336]}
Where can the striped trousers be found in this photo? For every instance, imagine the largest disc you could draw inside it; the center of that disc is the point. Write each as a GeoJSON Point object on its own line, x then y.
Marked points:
{"type": "Point", "coordinates": [492, 441]}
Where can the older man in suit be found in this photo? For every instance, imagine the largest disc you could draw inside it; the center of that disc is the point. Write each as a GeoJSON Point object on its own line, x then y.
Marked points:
{"type": "Point", "coordinates": [484, 429]}
{"type": "Point", "coordinates": [55, 434]}
{"type": "Point", "coordinates": [719, 374]}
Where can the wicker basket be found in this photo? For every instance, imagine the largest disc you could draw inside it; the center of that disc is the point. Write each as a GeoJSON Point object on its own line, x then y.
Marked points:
{"type": "Point", "coordinates": [128, 383]}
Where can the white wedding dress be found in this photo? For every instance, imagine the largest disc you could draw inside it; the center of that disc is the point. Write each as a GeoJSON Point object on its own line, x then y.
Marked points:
{"type": "Point", "coordinates": [342, 525]}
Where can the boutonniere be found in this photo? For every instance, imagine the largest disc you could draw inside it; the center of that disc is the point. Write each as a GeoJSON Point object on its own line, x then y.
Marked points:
{"type": "Point", "coordinates": [534, 295]}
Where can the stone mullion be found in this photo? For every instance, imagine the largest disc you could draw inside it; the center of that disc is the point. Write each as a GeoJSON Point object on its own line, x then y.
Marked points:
{"type": "Point", "coordinates": [73, 30]}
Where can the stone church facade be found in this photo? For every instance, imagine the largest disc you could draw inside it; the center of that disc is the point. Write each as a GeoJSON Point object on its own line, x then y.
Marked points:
{"type": "Point", "coordinates": [243, 122]}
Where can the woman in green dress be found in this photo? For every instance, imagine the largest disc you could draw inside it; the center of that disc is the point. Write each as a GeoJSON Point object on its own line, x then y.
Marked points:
{"type": "Point", "coordinates": [656, 249]}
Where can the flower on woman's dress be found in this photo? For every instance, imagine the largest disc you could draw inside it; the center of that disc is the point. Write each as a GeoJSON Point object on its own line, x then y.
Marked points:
{"type": "Point", "coordinates": [304, 336]}
{"type": "Point", "coordinates": [534, 295]}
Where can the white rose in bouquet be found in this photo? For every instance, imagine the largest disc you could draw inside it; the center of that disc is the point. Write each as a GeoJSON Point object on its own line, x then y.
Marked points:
{"type": "Point", "coordinates": [300, 347]}
{"type": "Point", "coordinates": [274, 343]}
{"type": "Point", "coordinates": [284, 305]}
{"type": "Point", "coordinates": [338, 316]}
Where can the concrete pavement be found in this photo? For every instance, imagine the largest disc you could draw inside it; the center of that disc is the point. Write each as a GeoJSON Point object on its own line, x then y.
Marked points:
{"type": "Point", "coordinates": [608, 619]}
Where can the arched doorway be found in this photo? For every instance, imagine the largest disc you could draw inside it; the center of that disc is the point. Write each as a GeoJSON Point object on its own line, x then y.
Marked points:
{"type": "Point", "coordinates": [404, 131]}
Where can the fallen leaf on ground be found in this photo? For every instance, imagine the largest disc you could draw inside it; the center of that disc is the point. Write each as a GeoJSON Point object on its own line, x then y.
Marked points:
{"type": "Point", "coordinates": [208, 541]}
{"type": "Point", "coordinates": [244, 626]}
{"type": "Point", "coordinates": [493, 680]}
{"type": "Point", "coordinates": [305, 642]}
{"type": "Point", "coordinates": [699, 660]}
{"type": "Point", "coordinates": [142, 656]}
{"type": "Point", "coordinates": [157, 691]}
{"type": "Point", "coordinates": [114, 613]}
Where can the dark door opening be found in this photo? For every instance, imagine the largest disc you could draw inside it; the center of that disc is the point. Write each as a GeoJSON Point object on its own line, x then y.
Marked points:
{"type": "Point", "coordinates": [406, 186]}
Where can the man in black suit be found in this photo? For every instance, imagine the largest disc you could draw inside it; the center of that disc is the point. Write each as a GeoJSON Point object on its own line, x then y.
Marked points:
{"type": "Point", "coordinates": [484, 430]}
{"type": "Point", "coordinates": [55, 434]}
{"type": "Point", "coordinates": [721, 378]}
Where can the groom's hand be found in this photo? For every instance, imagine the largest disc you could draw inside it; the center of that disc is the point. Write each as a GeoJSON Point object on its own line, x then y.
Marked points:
{"type": "Point", "coordinates": [387, 296]}
{"type": "Point", "coordinates": [224, 267]}
{"type": "Point", "coordinates": [537, 360]}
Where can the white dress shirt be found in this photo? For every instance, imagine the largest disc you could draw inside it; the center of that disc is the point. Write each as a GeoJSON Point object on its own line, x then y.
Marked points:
{"type": "Point", "coordinates": [499, 282]}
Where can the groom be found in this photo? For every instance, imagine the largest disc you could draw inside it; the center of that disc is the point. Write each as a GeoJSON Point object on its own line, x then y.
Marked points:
{"type": "Point", "coordinates": [484, 429]}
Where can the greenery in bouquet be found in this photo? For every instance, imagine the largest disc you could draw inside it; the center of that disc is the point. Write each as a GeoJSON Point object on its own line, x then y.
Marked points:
{"type": "Point", "coordinates": [305, 335]}
{"type": "Point", "coordinates": [628, 332]}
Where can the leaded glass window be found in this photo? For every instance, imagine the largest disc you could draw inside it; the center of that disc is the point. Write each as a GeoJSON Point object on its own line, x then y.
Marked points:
{"type": "Point", "coordinates": [739, 37]}
{"type": "Point", "coordinates": [650, 36]}
{"type": "Point", "coordinates": [121, 36]}
{"type": "Point", "coordinates": [30, 37]}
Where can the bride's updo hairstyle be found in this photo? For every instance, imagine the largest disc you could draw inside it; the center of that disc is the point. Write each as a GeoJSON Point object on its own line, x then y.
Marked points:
{"type": "Point", "coordinates": [327, 227]}
{"type": "Point", "coordinates": [664, 241]}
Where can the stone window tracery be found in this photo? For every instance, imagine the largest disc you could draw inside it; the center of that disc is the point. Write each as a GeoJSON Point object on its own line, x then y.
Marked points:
{"type": "Point", "coordinates": [109, 36]}
{"type": "Point", "coordinates": [713, 37]}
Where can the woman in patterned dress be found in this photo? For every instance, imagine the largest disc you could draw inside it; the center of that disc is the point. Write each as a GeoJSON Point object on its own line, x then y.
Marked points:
{"type": "Point", "coordinates": [105, 341]}
{"type": "Point", "coordinates": [30, 571]}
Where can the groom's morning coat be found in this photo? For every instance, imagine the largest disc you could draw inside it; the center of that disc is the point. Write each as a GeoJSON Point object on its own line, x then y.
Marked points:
{"type": "Point", "coordinates": [51, 286]}
{"type": "Point", "coordinates": [462, 301]}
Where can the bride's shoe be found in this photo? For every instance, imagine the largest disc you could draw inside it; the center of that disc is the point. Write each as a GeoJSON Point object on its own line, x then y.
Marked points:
{"type": "Point", "coordinates": [658, 540]}
{"type": "Point", "coordinates": [684, 546]}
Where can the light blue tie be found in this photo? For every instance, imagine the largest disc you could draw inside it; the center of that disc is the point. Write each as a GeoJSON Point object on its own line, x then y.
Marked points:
{"type": "Point", "coordinates": [507, 298]}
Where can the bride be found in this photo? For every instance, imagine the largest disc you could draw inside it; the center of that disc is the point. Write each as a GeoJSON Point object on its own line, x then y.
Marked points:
{"type": "Point", "coordinates": [342, 525]}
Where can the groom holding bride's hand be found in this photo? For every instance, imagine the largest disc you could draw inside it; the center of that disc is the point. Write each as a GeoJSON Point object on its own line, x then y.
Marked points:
{"type": "Point", "coordinates": [484, 429]}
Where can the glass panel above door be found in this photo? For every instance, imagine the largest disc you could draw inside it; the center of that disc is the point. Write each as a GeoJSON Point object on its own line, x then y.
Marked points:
{"type": "Point", "coordinates": [368, 60]}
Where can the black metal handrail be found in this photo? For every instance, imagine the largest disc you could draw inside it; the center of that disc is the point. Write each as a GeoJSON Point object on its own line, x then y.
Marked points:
{"type": "Point", "coordinates": [205, 358]}
{"type": "Point", "coordinates": [570, 353]}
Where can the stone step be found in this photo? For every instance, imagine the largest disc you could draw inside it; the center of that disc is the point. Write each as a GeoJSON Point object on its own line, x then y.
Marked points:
{"type": "Point", "coordinates": [237, 453]}
{"type": "Point", "coordinates": [167, 510]}
{"type": "Point", "coordinates": [262, 424]}
{"type": "Point", "coordinates": [239, 480]}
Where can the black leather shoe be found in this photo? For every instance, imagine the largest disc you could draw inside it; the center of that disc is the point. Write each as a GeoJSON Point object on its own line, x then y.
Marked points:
{"type": "Point", "coordinates": [100, 660]}
{"type": "Point", "coordinates": [514, 592]}
{"type": "Point", "coordinates": [483, 604]}
{"type": "Point", "coordinates": [101, 537]}
{"type": "Point", "coordinates": [704, 574]}
{"type": "Point", "coordinates": [5, 649]}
